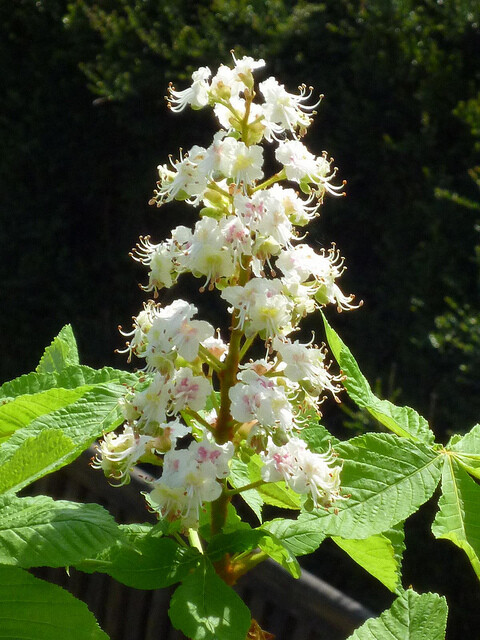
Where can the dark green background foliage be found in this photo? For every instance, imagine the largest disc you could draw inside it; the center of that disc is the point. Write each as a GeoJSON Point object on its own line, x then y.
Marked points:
{"type": "Point", "coordinates": [83, 124]}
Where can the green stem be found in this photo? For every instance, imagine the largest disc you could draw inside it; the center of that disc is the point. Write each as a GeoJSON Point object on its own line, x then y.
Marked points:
{"type": "Point", "coordinates": [212, 360]}
{"type": "Point", "coordinates": [252, 485]}
{"type": "Point", "coordinates": [193, 414]}
{"type": "Point", "coordinates": [246, 346]}
{"type": "Point", "coordinates": [281, 175]}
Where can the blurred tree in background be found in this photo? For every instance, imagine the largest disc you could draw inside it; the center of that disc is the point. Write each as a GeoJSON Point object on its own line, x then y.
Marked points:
{"type": "Point", "coordinates": [83, 124]}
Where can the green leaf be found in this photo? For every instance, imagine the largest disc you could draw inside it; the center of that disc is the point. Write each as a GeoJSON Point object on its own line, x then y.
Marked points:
{"type": "Point", "coordinates": [232, 523]}
{"type": "Point", "coordinates": [317, 437]}
{"type": "Point", "coordinates": [281, 553]}
{"type": "Point", "coordinates": [24, 409]}
{"type": "Point", "coordinates": [92, 415]}
{"type": "Point", "coordinates": [458, 518]}
{"type": "Point", "coordinates": [69, 378]}
{"type": "Point", "coordinates": [240, 477]}
{"type": "Point", "coordinates": [300, 536]}
{"type": "Point", "coordinates": [235, 542]}
{"type": "Point", "coordinates": [467, 450]}
{"type": "Point", "coordinates": [411, 617]}
{"type": "Point", "coordinates": [376, 555]}
{"type": "Point", "coordinates": [38, 456]}
{"type": "Point", "coordinates": [61, 353]}
{"type": "Point", "coordinates": [403, 421]}
{"type": "Point", "coordinates": [277, 494]}
{"type": "Point", "coordinates": [32, 608]}
{"type": "Point", "coordinates": [203, 607]}
{"type": "Point", "coordinates": [142, 559]}
{"type": "Point", "coordinates": [387, 479]}
{"type": "Point", "coordinates": [39, 531]}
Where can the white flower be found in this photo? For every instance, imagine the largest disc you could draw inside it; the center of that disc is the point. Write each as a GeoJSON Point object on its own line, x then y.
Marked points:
{"type": "Point", "coordinates": [262, 399]}
{"type": "Point", "coordinates": [188, 391]}
{"type": "Point", "coordinates": [118, 453]}
{"type": "Point", "coordinates": [185, 180]}
{"type": "Point", "coordinates": [243, 164]}
{"type": "Point", "coordinates": [301, 263]}
{"type": "Point", "coordinates": [299, 163]}
{"type": "Point", "coordinates": [141, 326]}
{"type": "Point", "coordinates": [304, 471]}
{"type": "Point", "coordinates": [196, 95]}
{"type": "Point", "coordinates": [174, 332]}
{"type": "Point", "coordinates": [152, 402]}
{"type": "Point", "coordinates": [305, 363]}
{"type": "Point", "coordinates": [216, 346]}
{"type": "Point", "coordinates": [262, 307]}
{"type": "Point", "coordinates": [208, 254]}
{"type": "Point", "coordinates": [189, 479]}
{"type": "Point", "coordinates": [285, 109]}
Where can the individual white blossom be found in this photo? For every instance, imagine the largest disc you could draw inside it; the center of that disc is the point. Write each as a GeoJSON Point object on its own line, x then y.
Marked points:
{"type": "Point", "coordinates": [243, 164]}
{"type": "Point", "coordinates": [118, 453]}
{"type": "Point", "coordinates": [261, 399]}
{"type": "Point", "coordinates": [196, 96]}
{"type": "Point", "coordinates": [320, 270]}
{"type": "Point", "coordinates": [189, 479]}
{"type": "Point", "coordinates": [173, 332]}
{"type": "Point", "coordinates": [208, 254]}
{"type": "Point", "coordinates": [262, 307]}
{"type": "Point", "coordinates": [304, 363]}
{"type": "Point", "coordinates": [188, 391]}
{"type": "Point", "coordinates": [303, 471]}
{"type": "Point", "coordinates": [285, 109]}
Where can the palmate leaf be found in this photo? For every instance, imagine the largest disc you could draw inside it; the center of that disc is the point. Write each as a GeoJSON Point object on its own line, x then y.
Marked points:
{"type": "Point", "coordinates": [142, 559]}
{"type": "Point", "coordinates": [61, 353]}
{"type": "Point", "coordinates": [458, 518]}
{"type": "Point", "coordinates": [380, 555]}
{"type": "Point", "coordinates": [387, 479]}
{"type": "Point", "coordinates": [203, 607]}
{"type": "Point", "coordinates": [467, 450]}
{"type": "Point", "coordinates": [80, 423]}
{"type": "Point", "coordinates": [403, 421]}
{"type": "Point", "coordinates": [38, 531]}
{"type": "Point", "coordinates": [32, 608]}
{"type": "Point", "coordinates": [411, 617]}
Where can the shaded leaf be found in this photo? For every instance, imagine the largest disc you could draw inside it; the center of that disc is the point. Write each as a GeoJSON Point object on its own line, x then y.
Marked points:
{"type": "Point", "coordinates": [143, 560]}
{"type": "Point", "coordinates": [32, 608]}
{"type": "Point", "coordinates": [203, 607]}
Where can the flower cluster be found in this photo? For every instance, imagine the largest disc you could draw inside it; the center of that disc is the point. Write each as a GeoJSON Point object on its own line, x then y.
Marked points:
{"type": "Point", "coordinates": [202, 400]}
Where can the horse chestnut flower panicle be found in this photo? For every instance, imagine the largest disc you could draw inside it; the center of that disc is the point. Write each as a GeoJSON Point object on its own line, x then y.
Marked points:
{"type": "Point", "coordinates": [200, 402]}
